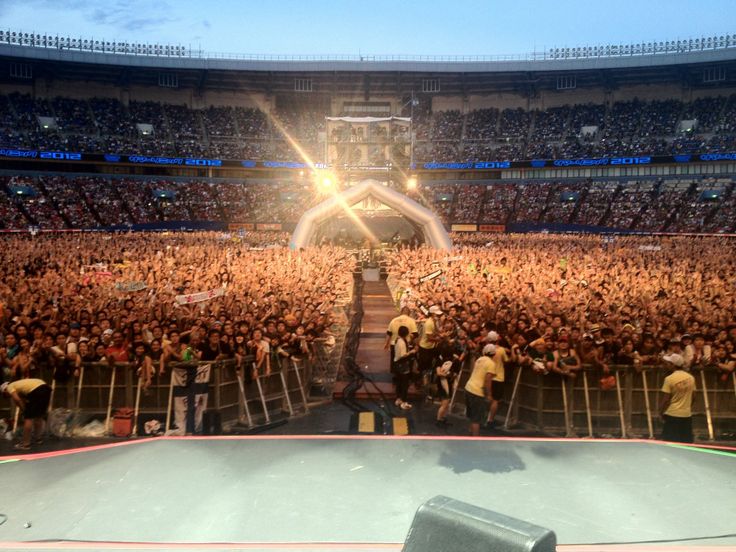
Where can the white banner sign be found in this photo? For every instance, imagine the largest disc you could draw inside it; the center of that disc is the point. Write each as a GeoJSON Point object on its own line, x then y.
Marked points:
{"type": "Point", "coordinates": [199, 297]}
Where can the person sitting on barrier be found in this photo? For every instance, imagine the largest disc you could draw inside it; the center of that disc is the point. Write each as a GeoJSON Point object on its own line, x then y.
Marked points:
{"type": "Point", "coordinates": [675, 409]}
{"type": "Point", "coordinates": [479, 389]}
{"type": "Point", "coordinates": [404, 356]}
{"type": "Point", "coordinates": [32, 396]}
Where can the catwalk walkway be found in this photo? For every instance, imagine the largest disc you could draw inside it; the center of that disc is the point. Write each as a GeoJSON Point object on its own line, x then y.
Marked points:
{"type": "Point", "coordinates": [378, 310]}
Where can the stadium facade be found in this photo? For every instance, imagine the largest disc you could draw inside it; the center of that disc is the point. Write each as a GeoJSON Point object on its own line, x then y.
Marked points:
{"type": "Point", "coordinates": [552, 115]}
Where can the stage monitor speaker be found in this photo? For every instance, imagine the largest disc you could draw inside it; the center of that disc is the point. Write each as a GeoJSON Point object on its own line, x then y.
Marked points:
{"type": "Point", "coordinates": [445, 525]}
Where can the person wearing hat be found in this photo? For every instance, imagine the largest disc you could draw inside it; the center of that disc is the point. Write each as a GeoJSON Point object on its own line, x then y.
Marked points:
{"type": "Point", "coordinates": [678, 390]}
{"type": "Point", "coordinates": [501, 357]}
{"type": "Point", "coordinates": [403, 361]}
{"type": "Point", "coordinates": [32, 396]}
{"type": "Point", "coordinates": [392, 333]}
{"type": "Point", "coordinates": [428, 342]}
{"type": "Point", "coordinates": [479, 389]}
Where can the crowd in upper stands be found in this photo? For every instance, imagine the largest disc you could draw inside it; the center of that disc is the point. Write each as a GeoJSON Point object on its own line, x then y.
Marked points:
{"type": "Point", "coordinates": [104, 125]}
{"type": "Point", "coordinates": [685, 204]}
{"type": "Point", "coordinates": [611, 300]}
{"type": "Point", "coordinates": [67, 299]}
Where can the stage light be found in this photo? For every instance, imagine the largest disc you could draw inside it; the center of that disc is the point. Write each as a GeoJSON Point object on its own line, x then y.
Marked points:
{"type": "Point", "coordinates": [411, 184]}
{"type": "Point", "coordinates": [327, 182]}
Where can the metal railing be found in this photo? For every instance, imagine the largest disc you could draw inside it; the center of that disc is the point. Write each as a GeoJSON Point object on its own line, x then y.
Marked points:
{"type": "Point", "coordinates": [100, 390]}
{"type": "Point", "coordinates": [647, 48]}
{"type": "Point", "coordinates": [580, 407]}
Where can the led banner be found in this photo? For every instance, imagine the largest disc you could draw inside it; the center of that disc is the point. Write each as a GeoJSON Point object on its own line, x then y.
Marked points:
{"type": "Point", "coordinates": [271, 226]}
{"type": "Point", "coordinates": [463, 228]}
{"type": "Point", "coordinates": [499, 228]}
{"type": "Point", "coordinates": [114, 158]}
{"type": "Point", "coordinates": [234, 226]}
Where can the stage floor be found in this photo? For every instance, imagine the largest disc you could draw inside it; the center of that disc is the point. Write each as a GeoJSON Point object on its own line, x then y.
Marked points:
{"type": "Point", "coordinates": [320, 489]}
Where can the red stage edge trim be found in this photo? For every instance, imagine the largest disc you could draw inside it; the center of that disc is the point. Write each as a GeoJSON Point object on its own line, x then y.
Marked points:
{"type": "Point", "coordinates": [102, 545]}
{"type": "Point", "coordinates": [43, 455]}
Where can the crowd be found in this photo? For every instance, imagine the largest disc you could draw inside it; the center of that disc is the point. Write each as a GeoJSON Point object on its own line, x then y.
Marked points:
{"type": "Point", "coordinates": [672, 205]}
{"type": "Point", "coordinates": [604, 301]}
{"type": "Point", "coordinates": [623, 128]}
{"type": "Point", "coordinates": [128, 298]}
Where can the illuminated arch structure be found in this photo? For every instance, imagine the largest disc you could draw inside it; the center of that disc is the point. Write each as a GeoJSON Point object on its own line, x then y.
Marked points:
{"type": "Point", "coordinates": [432, 228]}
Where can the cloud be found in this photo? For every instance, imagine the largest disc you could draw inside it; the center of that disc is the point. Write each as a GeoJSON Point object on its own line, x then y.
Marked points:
{"type": "Point", "coordinates": [125, 15]}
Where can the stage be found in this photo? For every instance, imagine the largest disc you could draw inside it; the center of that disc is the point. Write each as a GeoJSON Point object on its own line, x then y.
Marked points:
{"type": "Point", "coordinates": [361, 493]}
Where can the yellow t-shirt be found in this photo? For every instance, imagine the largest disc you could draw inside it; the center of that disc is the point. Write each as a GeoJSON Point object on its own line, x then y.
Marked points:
{"type": "Point", "coordinates": [500, 359]}
{"type": "Point", "coordinates": [24, 387]}
{"type": "Point", "coordinates": [396, 323]}
{"type": "Point", "coordinates": [429, 329]}
{"type": "Point", "coordinates": [476, 383]}
{"type": "Point", "coordinates": [680, 385]}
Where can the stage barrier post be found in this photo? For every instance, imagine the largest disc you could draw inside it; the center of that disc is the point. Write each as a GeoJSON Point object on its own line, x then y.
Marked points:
{"type": "Point", "coordinates": [706, 401]}
{"type": "Point", "coordinates": [620, 405]}
{"type": "Point", "coordinates": [650, 427]}
{"type": "Point", "coordinates": [134, 433]}
{"type": "Point", "coordinates": [513, 397]}
{"type": "Point", "coordinates": [588, 413]}
{"type": "Point", "coordinates": [109, 400]}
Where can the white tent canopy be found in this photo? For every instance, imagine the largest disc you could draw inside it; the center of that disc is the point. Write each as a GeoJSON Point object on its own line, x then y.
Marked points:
{"type": "Point", "coordinates": [434, 233]}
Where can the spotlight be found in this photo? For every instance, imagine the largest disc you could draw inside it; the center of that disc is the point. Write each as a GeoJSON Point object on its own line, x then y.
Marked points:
{"type": "Point", "coordinates": [411, 184]}
{"type": "Point", "coordinates": [327, 182]}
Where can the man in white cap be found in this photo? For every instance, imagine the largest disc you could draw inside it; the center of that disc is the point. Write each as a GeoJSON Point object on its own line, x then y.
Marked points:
{"type": "Point", "coordinates": [479, 389]}
{"type": "Point", "coordinates": [501, 357]}
{"type": "Point", "coordinates": [32, 396]}
{"type": "Point", "coordinates": [675, 408]}
{"type": "Point", "coordinates": [428, 342]}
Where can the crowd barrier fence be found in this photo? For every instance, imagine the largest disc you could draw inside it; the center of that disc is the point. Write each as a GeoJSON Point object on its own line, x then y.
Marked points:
{"type": "Point", "coordinates": [581, 407]}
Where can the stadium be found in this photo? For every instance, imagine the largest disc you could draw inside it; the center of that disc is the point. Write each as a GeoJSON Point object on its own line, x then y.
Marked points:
{"type": "Point", "coordinates": [321, 290]}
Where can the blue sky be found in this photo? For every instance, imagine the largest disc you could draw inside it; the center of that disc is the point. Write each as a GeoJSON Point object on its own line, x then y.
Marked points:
{"type": "Point", "coordinates": [373, 26]}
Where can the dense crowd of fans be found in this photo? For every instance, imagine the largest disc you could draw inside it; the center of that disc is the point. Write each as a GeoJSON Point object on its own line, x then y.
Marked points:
{"type": "Point", "coordinates": [52, 202]}
{"type": "Point", "coordinates": [622, 128]}
{"type": "Point", "coordinates": [607, 301]}
{"type": "Point", "coordinates": [67, 299]}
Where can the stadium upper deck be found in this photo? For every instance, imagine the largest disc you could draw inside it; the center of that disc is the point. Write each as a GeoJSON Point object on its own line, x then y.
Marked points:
{"type": "Point", "coordinates": [609, 66]}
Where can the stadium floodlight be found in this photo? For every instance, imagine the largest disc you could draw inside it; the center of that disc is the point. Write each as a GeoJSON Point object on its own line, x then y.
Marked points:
{"type": "Point", "coordinates": [411, 183]}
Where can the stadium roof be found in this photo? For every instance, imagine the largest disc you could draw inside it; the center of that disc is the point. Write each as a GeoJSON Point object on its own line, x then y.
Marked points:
{"type": "Point", "coordinates": [680, 62]}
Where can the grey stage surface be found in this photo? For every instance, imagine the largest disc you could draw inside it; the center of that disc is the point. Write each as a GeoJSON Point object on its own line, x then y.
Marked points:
{"type": "Point", "coordinates": [358, 490]}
